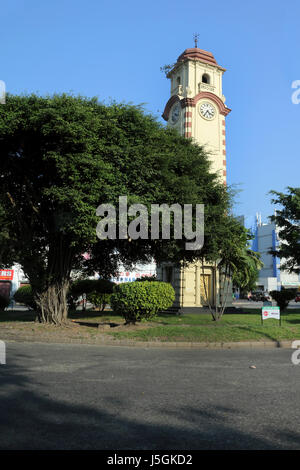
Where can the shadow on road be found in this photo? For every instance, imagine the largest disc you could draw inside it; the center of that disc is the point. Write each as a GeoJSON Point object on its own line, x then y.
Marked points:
{"type": "Point", "coordinates": [32, 417]}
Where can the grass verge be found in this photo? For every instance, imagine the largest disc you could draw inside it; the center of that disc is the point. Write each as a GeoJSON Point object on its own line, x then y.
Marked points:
{"type": "Point", "coordinates": [232, 327]}
{"type": "Point", "coordinates": [190, 327]}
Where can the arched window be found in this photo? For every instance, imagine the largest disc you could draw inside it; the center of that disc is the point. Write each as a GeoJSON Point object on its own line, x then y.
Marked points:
{"type": "Point", "coordinates": [205, 78]}
{"type": "Point", "coordinates": [178, 80]}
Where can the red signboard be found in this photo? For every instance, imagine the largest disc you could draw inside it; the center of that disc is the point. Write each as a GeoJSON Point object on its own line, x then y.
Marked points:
{"type": "Point", "coordinates": [6, 274]}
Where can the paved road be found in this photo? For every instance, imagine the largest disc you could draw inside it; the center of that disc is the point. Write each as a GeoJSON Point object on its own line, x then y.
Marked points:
{"type": "Point", "coordinates": [91, 397]}
{"type": "Point", "coordinates": [250, 304]}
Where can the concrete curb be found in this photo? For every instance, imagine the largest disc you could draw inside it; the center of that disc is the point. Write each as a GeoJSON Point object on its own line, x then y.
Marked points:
{"type": "Point", "coordinates": [194, 345]}
{"type": "Point", "coordinates": [104, 341]}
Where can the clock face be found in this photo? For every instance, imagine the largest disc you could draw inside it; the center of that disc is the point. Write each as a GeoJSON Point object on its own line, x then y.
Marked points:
{"type": "Point", "coordinates": [207, 110]}
{"type": "Point", "coordinates": [175, 113]}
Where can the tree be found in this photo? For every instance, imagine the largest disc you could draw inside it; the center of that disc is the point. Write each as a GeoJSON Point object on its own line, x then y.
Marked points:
{"type": "Point", "coordinates": [288, 221]}
{"type": "Point", "coordinates": [283, 297]}
{"type": "Point", "coordinates": [51, 184]}
{"type": "Point", "coordinates": [96, 291]}
{"type": "Point", "coordinates": [246, 277]}
{"type": "Point", "coordinates": [63, 156]}
{"type": "Point", "coordinates": [233, 258]}
{"type": "Point", "coordinates": [24, 296]}
{"type": "Point", "coordinates": [6, 254]}
{"type": "Point", "coordinates": [99, 300]}
{"type": "Point", "coordinates": [79, 288]}
{"type": "Point", "coordinates": [237, 261]}
{"type": "Point", "coordinates": [166, 69]}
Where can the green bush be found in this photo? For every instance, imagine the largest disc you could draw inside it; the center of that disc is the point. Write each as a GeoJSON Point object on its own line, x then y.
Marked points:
{"type": "Point", "coordinates": [283, 297]}
{"type": "Point", "coordinates": [147, 278]}
{"type": "Point", "coordinates": [141, 300]}
{"type": "Point", "coordinates": [91, 288]}
{"type": "Point", "coordinates": [4, 302]}
{"type": "Point", "coordinates": [24, 296]}
{"type": "Point", "coordinates": [98, 300]}
{"type": "Point", "coordinates": [77, 289]}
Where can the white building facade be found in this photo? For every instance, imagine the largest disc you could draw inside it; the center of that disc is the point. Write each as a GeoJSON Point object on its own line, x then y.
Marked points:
{"type": "Point", "coordinates": [271, 276]}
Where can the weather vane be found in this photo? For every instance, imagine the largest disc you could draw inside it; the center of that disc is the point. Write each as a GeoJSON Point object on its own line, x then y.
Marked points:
{"type": "Point", "coordinates": [196, 37]}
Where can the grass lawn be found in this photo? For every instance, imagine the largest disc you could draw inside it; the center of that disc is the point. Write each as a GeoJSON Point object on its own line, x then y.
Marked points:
{"type": "Point", "coordinates": [232, 327]}
{"type": "Point", "coordinates": [190, 327]}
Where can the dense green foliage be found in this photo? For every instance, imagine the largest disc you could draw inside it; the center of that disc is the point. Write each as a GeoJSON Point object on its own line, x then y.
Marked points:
{"type": "Point", "coordinates": [246, 282]}
{"type": "Point", "coordinates": [283, 297]}
{"type": "Point", "coordinates": [99, 300]}
{"type": "Point", "coordinates": [147, 278]}
{"type": "Point", "coordinates": [24, 295]}
{"type": "Point", "coordinates": [63, 156]}
{"type": "Point", "coordinates": [97, 291]}
{"type": "Point", "coordinates": [141, 300]}
{"type": "Point", "coordinates": [247, 266]}
{"type": "Point", "coordinates": [77, 289]}
{"type": "Point", "coordinates": [81, 286]}
{"type": "Point", "coordinates": [233, 258]}
{"type": "Point", "coordinates": [101, 293]}
{"type": "Point", "coordinates": [287, 219]}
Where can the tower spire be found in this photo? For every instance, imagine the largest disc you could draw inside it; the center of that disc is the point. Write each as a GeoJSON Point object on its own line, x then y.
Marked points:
{"type": "Point", "coordinates": [196, 37]}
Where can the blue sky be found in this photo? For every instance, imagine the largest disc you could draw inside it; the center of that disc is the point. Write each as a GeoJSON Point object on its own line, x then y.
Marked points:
{"type": "Point", "coordinates": [114, 49]}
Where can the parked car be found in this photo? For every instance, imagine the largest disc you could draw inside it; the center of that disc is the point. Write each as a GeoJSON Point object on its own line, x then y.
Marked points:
{"type": "Point", "coordinates": [259, 296]}
{"type": "Point", "coordinates": [297, 298]}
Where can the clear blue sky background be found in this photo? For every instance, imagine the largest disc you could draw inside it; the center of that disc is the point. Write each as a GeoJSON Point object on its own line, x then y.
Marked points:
{"type": "Point", "coordinates": [114, 49]}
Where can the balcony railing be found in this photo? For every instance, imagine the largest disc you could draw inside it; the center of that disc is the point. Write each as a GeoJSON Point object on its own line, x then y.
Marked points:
{"type": "Point", "coordinates": [205, 87]}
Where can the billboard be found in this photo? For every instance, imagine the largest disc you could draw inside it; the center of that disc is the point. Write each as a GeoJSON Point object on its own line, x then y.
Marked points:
{"type": "Point", "coordinates": [6, 274]}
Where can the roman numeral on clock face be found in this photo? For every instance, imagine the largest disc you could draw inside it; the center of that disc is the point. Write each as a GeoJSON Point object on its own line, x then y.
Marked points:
{"type": "Point", "coordinates": [207, 110]}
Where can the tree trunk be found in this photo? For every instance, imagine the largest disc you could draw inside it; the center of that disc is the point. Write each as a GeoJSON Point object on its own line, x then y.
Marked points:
{"type": "Point", "coordinates": [52, 303]}
{"type": "Point", "coordinates": [226, 276]}
{"type": "Point", "coordinates": [50, 279]}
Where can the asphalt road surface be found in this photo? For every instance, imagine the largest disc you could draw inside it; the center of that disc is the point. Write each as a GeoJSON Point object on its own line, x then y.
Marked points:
{"type": "Point", "coordinates": [243, 303]}
{"type": "Point", "coordinates": [57, 396]}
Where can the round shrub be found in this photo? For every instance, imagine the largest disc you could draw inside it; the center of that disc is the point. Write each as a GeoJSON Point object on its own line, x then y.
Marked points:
{"type": "Point", "coordinates": [101, 294]}
{"type": "Point", "coordinates": [283, 297]}
{"type": "Point", "coordinates": [4, 302]}
{"type": "Point", "coordinates": [24, 296]}
{"type": "Point", "coordinates": [96, 291]}
{"type": "Point", "coordinates": [98, 300]}
{"type": "Point", "coordinates": [141, 300]}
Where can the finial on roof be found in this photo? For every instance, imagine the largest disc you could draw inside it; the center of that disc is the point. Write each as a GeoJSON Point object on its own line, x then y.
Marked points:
{"type": "Point", "coordinates": [196, 37]}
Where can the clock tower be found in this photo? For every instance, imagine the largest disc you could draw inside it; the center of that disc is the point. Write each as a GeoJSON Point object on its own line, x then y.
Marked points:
{"type": "Point", "coordinates": [197, 107]}
{"type": "Point", "coordinates": [197, 110]}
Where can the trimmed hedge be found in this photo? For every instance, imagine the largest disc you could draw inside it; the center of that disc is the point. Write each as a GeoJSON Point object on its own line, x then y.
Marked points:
{"type": "Point", "coordinates": [141, 300]}
{"type": "Point", "coordinates": [24, 296]}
